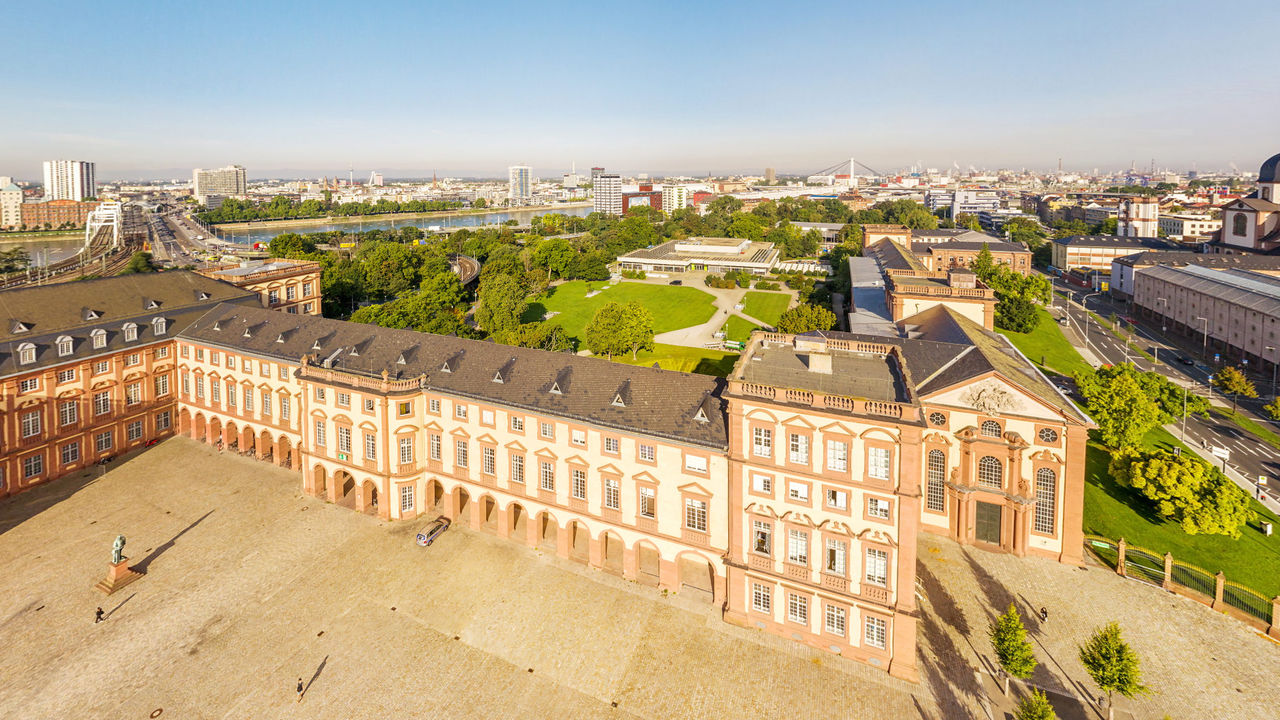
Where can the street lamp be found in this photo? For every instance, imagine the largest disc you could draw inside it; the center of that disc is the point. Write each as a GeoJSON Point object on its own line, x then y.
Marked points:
{"type": "Point", "coordinates": [1273, 371]}
{"type": "Point", "coordinates": [1164, 315]}
{"type": "Point", "coordinates": [1205, 351]}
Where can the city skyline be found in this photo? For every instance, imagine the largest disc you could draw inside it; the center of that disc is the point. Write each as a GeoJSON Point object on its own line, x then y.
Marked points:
{"type": "Point", "coordinates": [408, 91]}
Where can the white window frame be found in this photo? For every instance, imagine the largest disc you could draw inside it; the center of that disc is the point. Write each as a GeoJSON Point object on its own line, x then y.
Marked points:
{"type": "Point", "coordinates": [797, 547]}
{"type": "Point", "coordinates": [837, 455]}
{"type": "Point", "coordinates": [879, 463]}
{"type": "Point", "coordinates": [797, 608]}
{"type": "Point", "coordinates": [546, 476]}
{"type": "Point", "coordinates": [579, 487]}
{"type": "Point", "coordinates": [612, 493]}
{"type": "Point", "coordinates": [762, 442]}
{"type": "Point", "coordinates": [762, 483]}
{"type": "Point", "coordinates": [517, 469]}
{"type": "Point", "coordinates": [406, 451]}
{"type": "Point", "coordinates": [761, 598]}
{"type": "Point", "coordinates": [877, 567]}
{"type": "Point", "coordinates": [648, 501]}
{"type": "Point", "coordinates": [762, 536]}
{"type": "Point", "coordinates": [461, 453]}
{"type": "Point", "coordinates": [695, 514]}
{"type": "Point", "coordinates": [834, 619]}
{"type": "Point", "coordinates": [875, 633]}
{"type": "Point", "coordinates": [798, 448]}
{"type": "Point", "coordinates": [406, 498]}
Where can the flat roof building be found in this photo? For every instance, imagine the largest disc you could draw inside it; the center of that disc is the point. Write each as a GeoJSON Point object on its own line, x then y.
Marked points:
{"type": "Point", "coordinates": [1095, 252]}
{"type": "Point", "coordinates": [703, 254]}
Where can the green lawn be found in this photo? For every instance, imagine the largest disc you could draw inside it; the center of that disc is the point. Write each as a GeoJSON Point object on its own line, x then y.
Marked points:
{"type": "Point", "coordinates": [685, 359]}
{"type": "Point", "coordinates": [672, 307]}
{"type": "Point", "coordinates": [1249, 425]}
{"type": "Point", "coordinates": [739, 329]}
{"type": "Point", "coordinates": [764, 306]}
{"type": "Point", "coordinates": [1114, 511]}
{"type": "Point", "coordinates": [1047, 347]}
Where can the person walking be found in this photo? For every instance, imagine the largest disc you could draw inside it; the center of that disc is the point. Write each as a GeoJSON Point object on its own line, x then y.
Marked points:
{"type": "Point", "coordinates": [97, 616]}
{"type": "Point", "coordinates": [1044, 614]}
{"type": "Point", "coordinates": [300, 689]}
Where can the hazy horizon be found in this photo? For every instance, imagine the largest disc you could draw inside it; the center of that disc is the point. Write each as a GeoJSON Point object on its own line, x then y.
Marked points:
{"type": "Point", "coordinates": [667, 89]}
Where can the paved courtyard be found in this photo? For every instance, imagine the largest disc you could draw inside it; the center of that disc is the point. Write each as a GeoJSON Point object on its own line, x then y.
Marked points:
{"type": "Point", "coordinates": [251, 585]}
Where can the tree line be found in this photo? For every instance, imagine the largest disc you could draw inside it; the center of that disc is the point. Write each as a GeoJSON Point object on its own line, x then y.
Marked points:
{"type": "Point", "coordinates": [283, 207]}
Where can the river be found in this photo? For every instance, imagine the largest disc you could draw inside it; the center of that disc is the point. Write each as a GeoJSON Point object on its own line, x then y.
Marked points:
{"type": "Point", "coordinates": [266, 231]}
{"type": "Point", "coordinates": [45, 249]}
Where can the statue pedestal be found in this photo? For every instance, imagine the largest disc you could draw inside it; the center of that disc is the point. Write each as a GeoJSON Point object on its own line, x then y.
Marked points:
{"type": "Point", "coordinates": [118, 575]}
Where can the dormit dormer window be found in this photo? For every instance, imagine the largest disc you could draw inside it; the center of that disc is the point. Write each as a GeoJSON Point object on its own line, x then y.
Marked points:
{"type": "Point", "coordinates": [130, 332]}
{"type": "Point", "coordinates": [99, 338]}
{"type": "Point", "coordinates": [159, 326]}
{"type": "Point", "coordinates": [26, 354]}
{"type": "Point", "coordinates": [20, 327]}
{"type": "Point", "coordinates": [65, 346]}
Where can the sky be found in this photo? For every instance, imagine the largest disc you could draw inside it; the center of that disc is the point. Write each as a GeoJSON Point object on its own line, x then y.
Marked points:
{"type": "Point", "coordinates": [153, 89]}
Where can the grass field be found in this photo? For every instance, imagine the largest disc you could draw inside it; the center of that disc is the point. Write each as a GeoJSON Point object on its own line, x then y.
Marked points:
{"type": "Point", "coordinates": [672, 307]}
{"type": "Point", "coordinates": [1114, 511]}
{"type": "Point", "coordinates": [739, 329]}
{"type": "Point", "coordinates": [766, 307]}
{"type": "Point", "coordinates": [685, 359]}
{"type": "Point", "coordinates": [1248, 424]}
{"type": "Point", "coordinates": [1047, 347]}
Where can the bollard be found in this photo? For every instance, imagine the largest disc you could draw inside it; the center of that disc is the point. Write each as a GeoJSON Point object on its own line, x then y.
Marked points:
{"type": "Point", "coordinates": [1218, 581]}
{"type": "Point", "coordinates": [1168, 572]}
{"type": "Point", "coordinates": [1274, 629]}
{"type": "Point", "coordinates": [1120, 546]}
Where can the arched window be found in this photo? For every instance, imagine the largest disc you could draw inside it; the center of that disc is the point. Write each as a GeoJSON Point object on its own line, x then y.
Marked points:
{"type": "Point", "coordinates": [65, 346]}
{"type": "Point", "coordinates": [1239, 224]}
{"type": "Point", "coordinates": [990, 473]}
{"type": "Point", "coordinates": [158, 326]}
{"type": "Point", "coordinates": [937, 493]}
{"type": "Point", "coordinates": [26, 354]}
{"type": "Point", "coordinates": [99, 339]}
{"type": "Point", "coordinates": [1046, 497]}
{"type": "Point", "coordinates": [130, 332]}
{"type": "Point", "coordinates": [991, 428]}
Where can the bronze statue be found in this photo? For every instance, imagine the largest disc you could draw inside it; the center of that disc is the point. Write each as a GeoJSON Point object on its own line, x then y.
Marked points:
{"type": "Point", "coordinates": [117, 550]}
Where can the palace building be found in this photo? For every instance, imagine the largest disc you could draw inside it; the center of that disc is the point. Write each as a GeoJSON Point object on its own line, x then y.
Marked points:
{"type": "Point", "coordinates": [789, 494]}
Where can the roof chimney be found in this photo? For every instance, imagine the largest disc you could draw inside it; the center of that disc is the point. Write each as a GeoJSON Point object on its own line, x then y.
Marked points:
{"type": "Point", "coordinates": [820, 362]}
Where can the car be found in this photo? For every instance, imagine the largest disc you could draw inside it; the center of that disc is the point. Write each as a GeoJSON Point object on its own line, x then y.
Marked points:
{"type": "Point", "coordinates": [1186, 360]}
{"type": "Point", "coordinates": [433, 530]}
{"type": "Point", "coordinates": [675, 282]}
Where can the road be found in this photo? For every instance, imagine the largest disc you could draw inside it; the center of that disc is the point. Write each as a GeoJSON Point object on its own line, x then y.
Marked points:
{"type": "Point", "coordinates": [1249, 455]}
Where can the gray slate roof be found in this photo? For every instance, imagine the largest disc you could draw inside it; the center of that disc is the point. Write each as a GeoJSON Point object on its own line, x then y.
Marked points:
{"type": "Point", "coordinates": [1215, 260]}
{"type": "Point", "coordinates": [1254, 291]}
{"type": "Point", "coordinates": [1111, 241]}
{"type": "Point", "coordinates": [655, 402]}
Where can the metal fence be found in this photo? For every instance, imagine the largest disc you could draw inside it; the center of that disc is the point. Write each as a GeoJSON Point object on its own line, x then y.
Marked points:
{"type": "Point", "coordinates": [1164, 571]}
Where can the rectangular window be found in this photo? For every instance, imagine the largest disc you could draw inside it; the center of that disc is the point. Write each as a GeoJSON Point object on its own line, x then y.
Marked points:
{"type": "Point", "coordinates": [102, 366]}
{"type": "Point", "coordinates": [65, 376]}
{"type": "Point", "coordinates": [319, 394]}
{"type": "Point", "coordinates": [648, 503]}
{"type": "Point", "coordinates": [368, 405]}
{"type": "Point", "coordinates": [31, 424]}
{"type": "Point", "coordinates": [185, 351]}
{"type": "Point", "coordinates": [162, 420]}
{"type": "Point", "coordinates": [102, 441]}
{"type": "Point", "coordinates": [200, 354]}
{"type": "Point", "coordinates": [231, 362]}
{"type": "Point", "coordinates": [875, 633]}
{"type": "Point", "coordinates": [320, 439]}
{"type": "Point", "coordinates": [835, 620]}
{"type": "Point", "coordinates": [762, 537]}
{"type": "Point", "coordinates": [546, 476]}
{"type": "Point", "coordinates": [132, 359]}
{"type": "Point", "coordinates": [434, 406]}
{"type": "Point", "coordinates": [215, 358]}
{"type": "Point", "coordinates": [837, 456]}
{"type": "Point", "coordinates": [488, 461]}
{"type": "Point", "coordinates": [370, 446]}
{"type": "Point", "coordinates": [799, 445]}
{"type": "Point", "coordinates": [161, 385]}
{"type": "Point", "coordinates": [433, 446]}
{"type": "Point", "coordinates": [460, 412]}
{"type": "Point", "coordinates": [284, 407]}
{"type": "Point", "coordinates": [761, 598]}
{"type": "Point", "coordinates": [762, 484]}
{"type": "Point", "coordinates": [1046, 492]}
{"type": "Point", "coordinates": [878, 508]}
{"type": "Point", "coordinates": [837, 499]}
{"type": "Point", "coordinates": [248, 399]}
{"type": "Point", "coordinates": [798, 547]}
{"type": "Point", "coordinates": [648, 452]}
{"type": "Point", "coordinates": [762, 442]}
{"type": "Point", "coordinates": [404, 408]}
{"type": "Point", "coordinates": [579, 437]}
{"type": "Point", "coordinates": [798, 491]}
{"type": "Point", "coordinates": [215, 391]}
{"type": "Point", "coordinates": [406, 451]}
{"type": "Point", "coordinates": [68, 412]}
{"type": "Point", "coordinates": [877, 567]}
{"type": "Point", "coordinates": [837, 552]}
{"type": "Point", "coordinates": [266, 403]}
{"type": "Point", "coordinates": [517, 469]}
{"type": "Point", "coordinates": [70, 453]}
{"type": "Point", "coordinates": [798, 608]}
{"type": "Point", "coordinates": [695, 514]}
{"type": "Point", "coordinates": [486, 417]}
{"type": "Point", "coordinates": [612, 493]}
{"type": "Point", "coordinates": [344, 400]}
{"type": "Point", "coordinates": [199, 386]}
{"type": "Point", "coordinates": [878, 463]}
{"type": "Point", "coordinates": [936, 499]}
{"type": "Point", "coordinates": [32, 466]}
{"type": "Point", "coordinates": [546, 430]}
{"type": "Point", "coordinates": [460, 453]}
{"type": "Point", "coordinates": [695, 463]}
{"type": "Point", "coordinates": [29, 385]}
{"type": "Point", "coordinates": [406, 498]}
{"type": "Point", "coordinates": [517, 423]}
{"type": "Point", "coordinates": [291, 293]}
{"type": "Point", "coordinates": [231, 394]}
{"type": "Point", "coordinates": [306, 289]}
{"type": "Point", "coordinates": [344, 439]}
{"type": "Point", "coordinates": [102, 402]}
{"type": "Point", "coordinates": [579, 484]}
{"type": "Point", "coordinates": [611, 445]}
{"type": "Point", "coordinates": [282, 372]}
{"type": "Point", "coordinates": [133, 431]}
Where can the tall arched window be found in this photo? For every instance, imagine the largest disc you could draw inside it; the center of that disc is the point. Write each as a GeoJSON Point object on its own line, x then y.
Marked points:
{"type": "Point", "coordinates": [1046, 499]}
{"type": "Point", "coordinates": [936, 498]}
{"type": "Point", "coordinates": [991, 428]}
{"type": "Point", "coordinates": [1239, 224]}
{"type": "Point", "coordinates": [990, 473]}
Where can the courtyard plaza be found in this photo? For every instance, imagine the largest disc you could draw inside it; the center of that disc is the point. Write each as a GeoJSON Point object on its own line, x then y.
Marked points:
{"type": "Point", "coordinates": [250, 585]}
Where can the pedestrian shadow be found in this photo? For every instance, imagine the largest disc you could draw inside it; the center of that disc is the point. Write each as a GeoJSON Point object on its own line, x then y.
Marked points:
{"type": "Point", "coordinates": [319, 670]}
{"type": "Point", "coordinates": [146, 561]}
{"type": "Point", "coordinates": [114, 609]}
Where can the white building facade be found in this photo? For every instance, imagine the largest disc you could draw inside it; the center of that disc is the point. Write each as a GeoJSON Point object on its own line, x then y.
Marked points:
{"type": "Point", "coordinates": [608, 194]}
{"type": "Point", "coordinates": [69, 180]}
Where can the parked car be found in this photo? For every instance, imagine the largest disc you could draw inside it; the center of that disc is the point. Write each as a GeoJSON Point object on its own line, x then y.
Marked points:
{"type": "Point", "coordinates": [432, 531]}
{"type": "Point", "coordinates": [1186, 360]}
{"type": "Point", "coordinates": [675, 282]}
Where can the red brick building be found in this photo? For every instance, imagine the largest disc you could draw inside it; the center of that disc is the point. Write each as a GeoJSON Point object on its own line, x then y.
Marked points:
{"type": "Point", "coordinates": [57, 213]}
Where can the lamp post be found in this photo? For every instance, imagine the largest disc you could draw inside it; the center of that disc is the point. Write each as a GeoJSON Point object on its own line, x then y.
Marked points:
{"type": "Point", "coordinates": [1273, 371]}
{"type": "Point", "coordinates": [1204, 352]}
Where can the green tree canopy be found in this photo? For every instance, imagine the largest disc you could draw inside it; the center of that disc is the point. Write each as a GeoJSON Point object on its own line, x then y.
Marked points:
{"type": "Point", "coordinates": [1035, 706]}
{"type": "Point", "coordinates": [1016, 314]}
{"type": "Point", "coordinates": [1185, 490]}
{"type": "Point", "coordinates": [1169, 397]}
{"type": "Point", "coordinates": [804, 318]}
{"type": "Point", "coordinates": [541, 335]}
{"type": "Point", "coordinates": [1123, 411]}
{"type": "Point", "coordinates": [1112, 664]}
{"type": "Point", "coordinates": [139, 263]}
{"type": "Point", "coordinates": [1009, 641]}
{"type": "Point", "coordinates": [501, 303]}
{"type": "Point", "coordinates": [1230, 381]}
{"type": "Point", "coordinates": [616, 329]}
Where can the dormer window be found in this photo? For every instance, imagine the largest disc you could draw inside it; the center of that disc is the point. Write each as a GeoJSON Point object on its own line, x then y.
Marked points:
{"type": "Point", "coordinates": [497, 377]}
{"type": "Point", "coordinates": [65, 346]}
{"type": "Point", "coordinates": [618, 402]}
{"type": "Point", "coordinates": [153, 305]}
{"type": "Point", "coordinates": [26, 354]}
{"type": "Point", "coordinates": [99, 339]}
{"type": "Point", "coordinates": [159, 326]}
{"type": "Point", "coordinates": [701, 416]}
{"type": "Point", "coordinates": [555, 388]}
{"type": "Point", "coordinates": [130, 332]}
{"type": "Point", "coordinates": [20, 327]}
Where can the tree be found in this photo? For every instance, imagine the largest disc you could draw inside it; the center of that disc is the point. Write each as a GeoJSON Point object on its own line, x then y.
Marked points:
{"type": "Point", "coordinates": [638, 329]}
{"type": "Point", "coordinates": [139, 263]}
{"type": "Point", "coordinates": [1124, 412]}
{"type": "Point", "coordinates": [1230, 381]}
{"type": "Point", "coordinates": [1273, 408]}
{"type": "Point", "coordinates": [480, 204]}
{"type": "Point", "coordinates": [1108, 226]}
{"type": "Point", "coordinates": [501, 303]}
{"type": "Point", "coordinates": [1035, 707]}
{"type": "Point", "coordinates": [1185, 490]}
{"type": "Point", "coordinates": [804, 318]}
{"type": "Point", "coordinates": [983, 264]}
{"type": "Point", "coordinates": [541, 335]}
{"type": "Point", "coordinates": [606, 333]}
{"type": "Point", "coordinates": [1112, 664]}
{"type": "Point", "coordinates": [1016, 314]}
{"type": "Point", "coordinates": [1013, 651]}
{"type": "Point", "coordinates": [968, 220]}
{"type": "Point", "coordinates": [390, 269]}
{"type": "Point", "coordinates": [1170, 398]}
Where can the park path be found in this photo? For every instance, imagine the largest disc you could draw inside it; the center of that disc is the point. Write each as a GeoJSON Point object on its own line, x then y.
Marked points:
{"type": "Point", "coordinates": [705, 334]}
